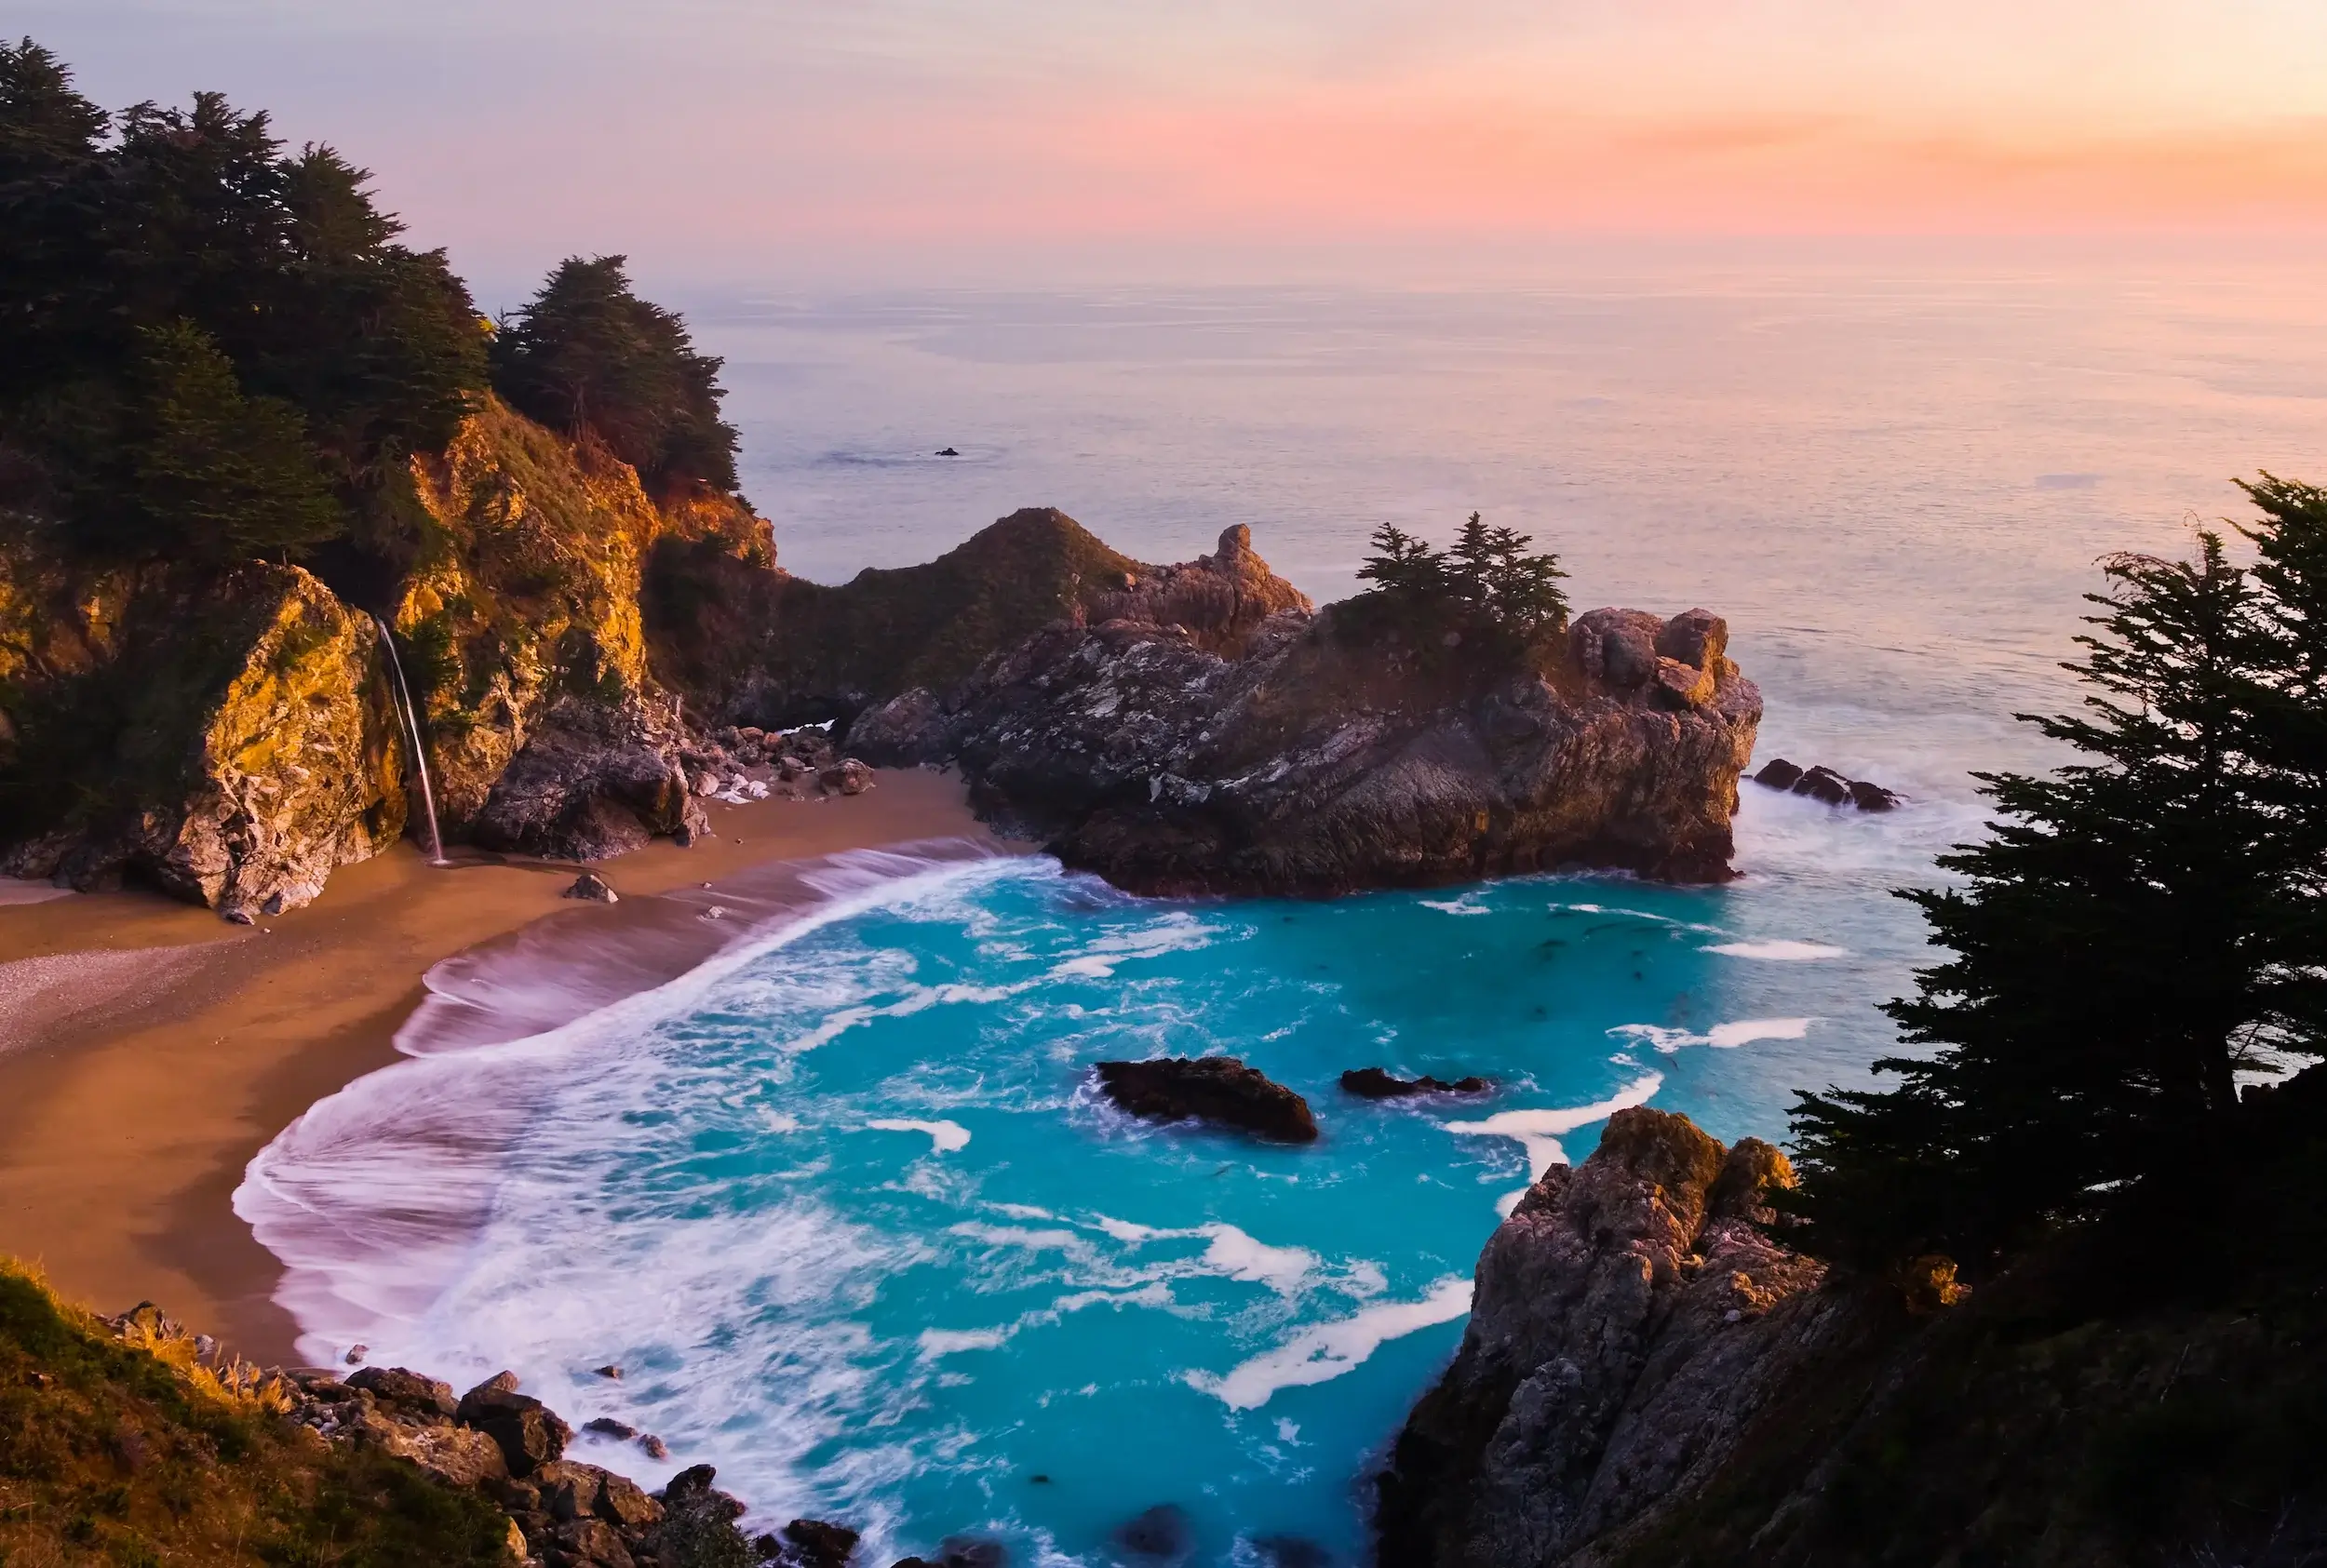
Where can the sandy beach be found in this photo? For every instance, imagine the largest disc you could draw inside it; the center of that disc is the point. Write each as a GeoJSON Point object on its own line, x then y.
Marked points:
{"type": "Point", "coordinates": [148, 1049]}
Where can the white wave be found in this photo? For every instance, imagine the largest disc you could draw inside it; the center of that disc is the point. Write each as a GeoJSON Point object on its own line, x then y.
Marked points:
{"type": "Point", "coordinates": [1232, 1252]}
{"type": "Point", "coordinates": [1240, 1258]}
{"type": "Point", "coordinates": [944, 1136]}
{"type": "Point", "coordinates": [1721, 1036]}
{"type": "Point", "coordinates": [372, 1198]}
{"type": "Point", "coordinates": [1539, 1131]}
{"type": "Point", "coordinates": [945, 1342]}
{"type": "Point", "coordinates": [1779, 952]}
{"type": "Point", "coordinates": [1463, 906]}
{"type": "Point", "coordinates": [1176, 932]}
{"type": "Point", "coordinates": [1327, 1350]}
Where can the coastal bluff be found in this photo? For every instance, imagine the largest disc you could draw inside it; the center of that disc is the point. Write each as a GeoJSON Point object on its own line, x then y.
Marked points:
{"type": "Point", "coordinates": [1201, 731]}
{"type": "Point", "coordinates": [582, 654]}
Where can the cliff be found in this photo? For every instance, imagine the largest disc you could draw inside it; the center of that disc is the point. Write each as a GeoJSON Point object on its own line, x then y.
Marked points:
{"type": "Point", "coordinates": [230, 742]}
{"type": "Point", "coordinates": [230, 739]}
{"type": "Point", "coordinates": [1246, 745]}
{"type": "Point", "coordinates": [769, 649]}
{"type": "Point", "coordinates": [1650, 1381]}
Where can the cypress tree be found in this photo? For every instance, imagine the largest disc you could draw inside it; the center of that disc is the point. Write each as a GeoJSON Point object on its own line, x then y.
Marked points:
{"type": "Point", "coordinates": [2112, 946]}
{"type": "Point", "coordinates": [587, 356]}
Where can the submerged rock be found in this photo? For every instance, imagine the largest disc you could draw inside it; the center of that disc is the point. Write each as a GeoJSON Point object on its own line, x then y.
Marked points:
{"type": "Point", "coordinates": [593, 887]}
{"type": "Point", "coordinates": [1159, 1534]}
{"type": "Point", "coordinates": [810, 1543]}
{"type": "Point", "coordinates": [1220, 1090]}
{"type": "Point", "coordinates": [1372, 1084]}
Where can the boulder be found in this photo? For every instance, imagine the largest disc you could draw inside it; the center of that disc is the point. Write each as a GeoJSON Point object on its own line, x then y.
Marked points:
{"type": "Point", "coordinates": [408, 1390]}
{"type": "Point", "coordinates": [529, 1433]}
{"type": "Point", "coordinates": [809, 1542]}
{"type": "Point", "coordinates": [593, 887]}
{"type": "Point", "coordinates": [847, 776]}
{"type": "Point", "coordinates": [1825, 783]}
{"type": "Point", "coordinates": [1372, 1084]}
{"type": "Point", "coordinates": [1219, 1090]}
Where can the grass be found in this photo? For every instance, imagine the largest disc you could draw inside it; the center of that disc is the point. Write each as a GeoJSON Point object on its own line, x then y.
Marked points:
{"type": "Point", "coordinates": [128, 1450]}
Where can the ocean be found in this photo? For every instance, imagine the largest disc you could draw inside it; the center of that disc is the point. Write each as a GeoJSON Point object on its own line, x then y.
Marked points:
{"type": "Point", "coordinates": [840, 1200]}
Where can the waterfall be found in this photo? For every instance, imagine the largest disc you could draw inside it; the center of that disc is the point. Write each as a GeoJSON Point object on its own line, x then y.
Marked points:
{"type": "Point", "coordinates": [420, 752]}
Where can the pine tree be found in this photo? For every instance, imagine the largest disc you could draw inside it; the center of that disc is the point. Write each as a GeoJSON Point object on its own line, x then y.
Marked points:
{"type": "Point", "coordinates": [1403, 567]}
{"type": "Point", "coordinates": [2289, 747]}
{"type": "Point", "coordinates": [2111, 968]}
{"type": "Point", "coordinates": [225, 475]}
{"type": "Point", "coordinates": [588, 355]}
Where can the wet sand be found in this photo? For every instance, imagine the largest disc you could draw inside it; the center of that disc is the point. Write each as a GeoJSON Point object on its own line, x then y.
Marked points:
{"type": "Point", "coordinates": [148, 1049]}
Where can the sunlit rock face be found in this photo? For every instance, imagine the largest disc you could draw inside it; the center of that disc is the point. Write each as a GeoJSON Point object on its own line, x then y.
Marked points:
{"type": "Point", "coordinates": [239, 744]}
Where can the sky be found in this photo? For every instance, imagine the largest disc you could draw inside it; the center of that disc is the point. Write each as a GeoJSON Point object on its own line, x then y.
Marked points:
{"type": "Point", "coordinates": [730, 139]}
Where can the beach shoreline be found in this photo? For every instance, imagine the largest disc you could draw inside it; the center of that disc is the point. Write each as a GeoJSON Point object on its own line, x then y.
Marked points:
{"type": "Point", "coordinates": [148, 1051]}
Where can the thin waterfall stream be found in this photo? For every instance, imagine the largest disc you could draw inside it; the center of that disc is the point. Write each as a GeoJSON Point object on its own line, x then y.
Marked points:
{"type": "Point", "coordinates": [420, 751]}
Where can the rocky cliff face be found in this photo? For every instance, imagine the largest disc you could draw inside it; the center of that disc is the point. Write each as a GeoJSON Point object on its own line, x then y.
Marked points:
{"type": "Point", "coordinates": [1245, 745]}
{"type": "Point", "coordinates": [1647, 1381]}
{"type": "Point", "coordinates": [232, 741]}
{"type": "Point", "coordinates": [232, 745]}
{"type": "Point", "coordinates": [1629, 1323]}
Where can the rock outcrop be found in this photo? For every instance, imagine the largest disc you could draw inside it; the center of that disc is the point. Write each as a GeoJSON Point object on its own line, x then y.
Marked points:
{"type": "Point", "coordinates": [1630, 1321]}
{"type": "Point", "coordinates": [1372, 1084]}
{"type": "Point", "coordinates": [1292, 755]}
{"type": "Point", "coordinates": [1219, 1089]}
{"type": "Point", "coordinates": [1821, 783]}
{"type": "Point", "coordinates": [231, 746]}
{"type": "Point", "coordinates": [231, 740]}
{"type": "Point", "coordinates": [754, 646]}
{"type": "Point", "coordinates": [563, 1513]}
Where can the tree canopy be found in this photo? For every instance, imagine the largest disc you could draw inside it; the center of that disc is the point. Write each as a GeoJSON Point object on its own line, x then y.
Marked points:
{"type": "Point", "coordinates": [153, 252]}
{"type": "Point", "coordinates": [589, 356]}
{"type": "Point", "coordinates": [2143, 924]}
{"type": "Point", "coordinates": [1486, 587]}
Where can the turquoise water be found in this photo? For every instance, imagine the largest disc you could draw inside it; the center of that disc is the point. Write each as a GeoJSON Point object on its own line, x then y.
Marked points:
{"type": "Point", "coordinates": [842, 1206]}
{"type": "Point", "coordinates": [1894, 481]}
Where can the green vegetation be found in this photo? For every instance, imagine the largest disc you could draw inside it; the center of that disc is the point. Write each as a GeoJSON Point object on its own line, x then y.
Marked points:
{"type": "Point", "coordinates": [588, 357]}
{"type": "Point", "coordinates": [2145, 923]}
{"type": "Point", "coordinates": [1485, 590]}
{"type": "Point", "coordinates": [214, 349]}
{"type": "Point", "coordinates": [126, 1450]}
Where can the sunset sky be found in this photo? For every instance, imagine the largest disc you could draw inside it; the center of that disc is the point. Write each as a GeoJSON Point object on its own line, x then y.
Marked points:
{"type": "Point", "coordinates": [729, 138]}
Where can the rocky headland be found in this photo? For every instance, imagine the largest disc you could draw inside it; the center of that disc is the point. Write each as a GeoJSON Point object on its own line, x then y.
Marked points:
{"type": "Point", "coordinates": [1249, 744]}
{"type": "Point", "coordinates": [1650, 1378]}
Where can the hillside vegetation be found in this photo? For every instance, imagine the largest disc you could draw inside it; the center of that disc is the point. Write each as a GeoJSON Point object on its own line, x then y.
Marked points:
{"type": "Point", "coordinates": [123, 1449]}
